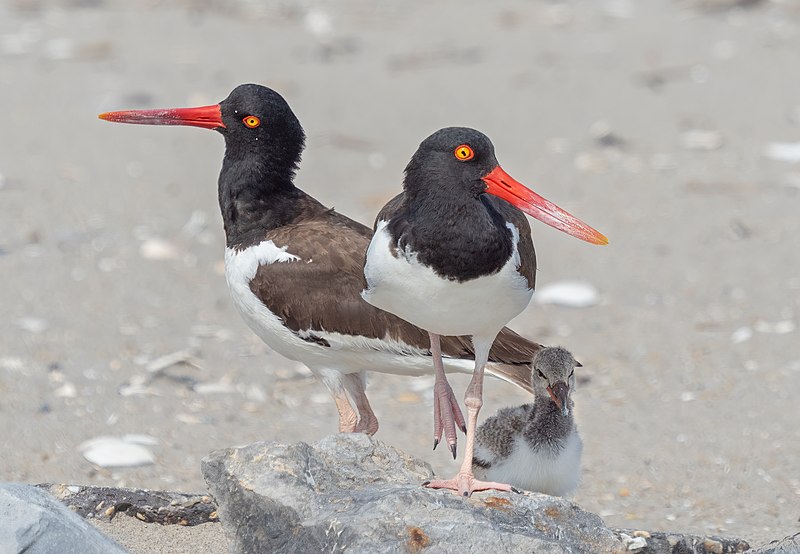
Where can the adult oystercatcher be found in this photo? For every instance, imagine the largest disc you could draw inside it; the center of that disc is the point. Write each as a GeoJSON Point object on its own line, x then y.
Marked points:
{"type": "Point", "coordinates": [295, 267]}
{"type": "Point", "coordinates": [453, 254]}
{"type": "Point", "coordinates": [536, 446]}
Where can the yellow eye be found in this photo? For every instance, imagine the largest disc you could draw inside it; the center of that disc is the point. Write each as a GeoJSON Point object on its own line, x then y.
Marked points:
{"type": "Point", "coordinates": [251, 121]}
{"type": "Point", "coordinates": [464, 153]}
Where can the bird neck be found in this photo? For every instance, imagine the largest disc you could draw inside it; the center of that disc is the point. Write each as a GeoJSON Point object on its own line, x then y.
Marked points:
{"type": "Point", "coordinates": [256, 197]}
{"type": "Point", "coordinates": [547, 425]}
{"type": "Point", "coordinates": [460, 235]}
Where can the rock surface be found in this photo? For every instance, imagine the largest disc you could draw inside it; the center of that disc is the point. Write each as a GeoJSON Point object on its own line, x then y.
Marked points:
{"type": "Point", "coordinates": [34, 522]}
{"type": "Point", "coordinates": [787, 545]}
{"type": "Point", "coordinates": [161, 507]}
{"type": "Point", "coordinates": [353, 493]}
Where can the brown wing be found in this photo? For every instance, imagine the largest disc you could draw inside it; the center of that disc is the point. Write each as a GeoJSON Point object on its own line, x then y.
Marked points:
{"type": "Point", "coordinates": [324, 294]}
{"type": "Point", "coordinates": [322, 291]}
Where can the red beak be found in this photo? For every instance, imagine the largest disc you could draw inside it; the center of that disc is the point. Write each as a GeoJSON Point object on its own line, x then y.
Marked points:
{"type": "Point", "coordinates": [207, 117]}
{"type": "Point", "coordinates": [501, 184]}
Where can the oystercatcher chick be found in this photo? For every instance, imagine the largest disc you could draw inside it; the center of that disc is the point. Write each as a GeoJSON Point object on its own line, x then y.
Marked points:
{"type": "Point", "coordinates": [536, 446]}
{"type": "Point", "coordinates": [453, 254]}
{"type": "Point", "coordinates": [295, 267]}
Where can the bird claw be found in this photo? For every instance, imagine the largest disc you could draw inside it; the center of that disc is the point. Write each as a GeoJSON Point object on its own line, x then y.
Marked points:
{"type": "Point", "coordinates": [465, 484]}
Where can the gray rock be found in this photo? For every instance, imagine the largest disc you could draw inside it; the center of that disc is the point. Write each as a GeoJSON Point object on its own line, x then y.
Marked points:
{"type": "Point", "coordinates": [353, 493]}
{"type": "Point", "coordinates": [34, 522]}
{"type": "Point", "coordinates": [787, 545]}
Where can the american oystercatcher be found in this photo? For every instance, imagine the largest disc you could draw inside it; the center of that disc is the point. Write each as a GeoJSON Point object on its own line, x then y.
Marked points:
{"type": "Point", "coordinates": [536, 446]}
{"type": "Point", "coordinates": [453, 254]}
{"type": "Point", "coordinates": [295, 267]}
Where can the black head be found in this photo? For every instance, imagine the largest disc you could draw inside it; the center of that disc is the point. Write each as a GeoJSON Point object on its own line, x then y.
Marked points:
{"type": "Point", "coordinates": [453, 160]}
{"type": "Point", "coordinates": [260, 129]}
{"type": "Point", "coordinates": [260, 125]}
{"type": "Point", "coordinates": [461, 161]}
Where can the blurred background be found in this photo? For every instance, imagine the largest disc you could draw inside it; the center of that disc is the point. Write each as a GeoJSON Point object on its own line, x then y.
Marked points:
{"type": "Point", "coordinates": [672, 127]}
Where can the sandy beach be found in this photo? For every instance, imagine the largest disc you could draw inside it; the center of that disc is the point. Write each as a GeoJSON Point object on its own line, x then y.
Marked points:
{"type": "Point", "coordinates": [672, 127]}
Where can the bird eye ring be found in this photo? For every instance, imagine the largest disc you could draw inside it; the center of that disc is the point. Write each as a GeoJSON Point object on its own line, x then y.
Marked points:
{"type": "Point", "coordinates": [463, 153]}
{"type": "Point", "coordinates": [251, 121]}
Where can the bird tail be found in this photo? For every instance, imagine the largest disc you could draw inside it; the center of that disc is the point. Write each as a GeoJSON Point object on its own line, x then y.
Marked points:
{"type": "Point", "coordinates": [519, 375]}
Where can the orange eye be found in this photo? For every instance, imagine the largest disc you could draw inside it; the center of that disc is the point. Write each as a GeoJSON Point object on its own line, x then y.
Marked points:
{"type": "Point", "coordinates": [251, 121]}
{"type": "Point", "coordinates": [464, 153]}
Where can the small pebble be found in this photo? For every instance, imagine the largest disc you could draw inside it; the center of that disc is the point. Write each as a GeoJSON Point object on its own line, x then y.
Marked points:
{"type": "Point", "coordinates": [700, 139]}
{"type": "Point", "coordinates": [715, 547]}
{"type": "Point", "coordinates": [742, 334]}
{"type": "Point", "coordinates": [180, 357]}
{"type": "Point", "coordinates": [572, 294]}
{"type": "Point", "coordinates": [318, 23]}
{"type": "Point", "coordinates": [34, 325]}
{"type": "Point", "coordinates": [223, 386]}
{"type": "Point", "coordinates": [633, 543]}
{"type": "Point", "coordinates": [778, 328]}
{"type": "Point", "coordinates": [157, 249]}
{"type": "Point", "coordinates": [67, 390]}
{"type": "Point", "coordinates": [783, 151]}
{"type": "Point", "coordinates": [116, 452]}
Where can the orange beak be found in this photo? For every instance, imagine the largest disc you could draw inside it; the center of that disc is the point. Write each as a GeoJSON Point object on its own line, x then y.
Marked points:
{"type": "Point", "coordinates": [501, 184]}
{"type": "Point", "coordinates": [207, 117]}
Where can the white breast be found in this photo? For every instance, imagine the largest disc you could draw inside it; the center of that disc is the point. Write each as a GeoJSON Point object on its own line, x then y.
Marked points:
{"type": "Point", "coordinates": [544, 471]}
{"type": "Point", "coordinates": [240, 268]}
{"type": "Point", "coordinates": [405, 287]}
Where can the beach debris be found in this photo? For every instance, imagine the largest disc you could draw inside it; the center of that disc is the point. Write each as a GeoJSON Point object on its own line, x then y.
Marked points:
{"type": "Point", "coordinates": [33, 325]}
{"type": "Point", "coordinates": [701, 139]}
{"type": "Point", "coordinates": [119, 452]}
{"type": "Point", "coordinates": [223, 386]}
{"type": "Point", "coordinates": [185, 356]}
{"type": "Point", "coordinates": [571, 294]}
{"type": "Point", "coordinates": [604, 135]}
{"type": "Point", "coordinates": [783, 151]}
{"type": "Point", "coordinates": [633, 543]}
{"type": "Point", "coordinates": [778, 328]}
{"type": "Point", "coordinates": [67, 390]}
{"type": "Point", "coordinates": [158, 249]}
{"type": "Point", "coordinates": [742, 334]}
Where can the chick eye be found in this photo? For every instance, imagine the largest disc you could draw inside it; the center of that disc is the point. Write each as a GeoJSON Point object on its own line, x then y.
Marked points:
{"type": "Point", "coordinates": [463, 153]}
{"type": "Point", "coordinates": [251, 121]}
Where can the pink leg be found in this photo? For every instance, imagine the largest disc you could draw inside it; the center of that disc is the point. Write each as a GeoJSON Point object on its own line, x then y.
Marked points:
{"type": "Point", "coordinates": [446, 413]}
{"type": "Point", "coordinates": [356, 386]}
{"type": "Point", "coordinates": [464, 482]}
{"type": "Point", "coordinates": [347, 416]}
